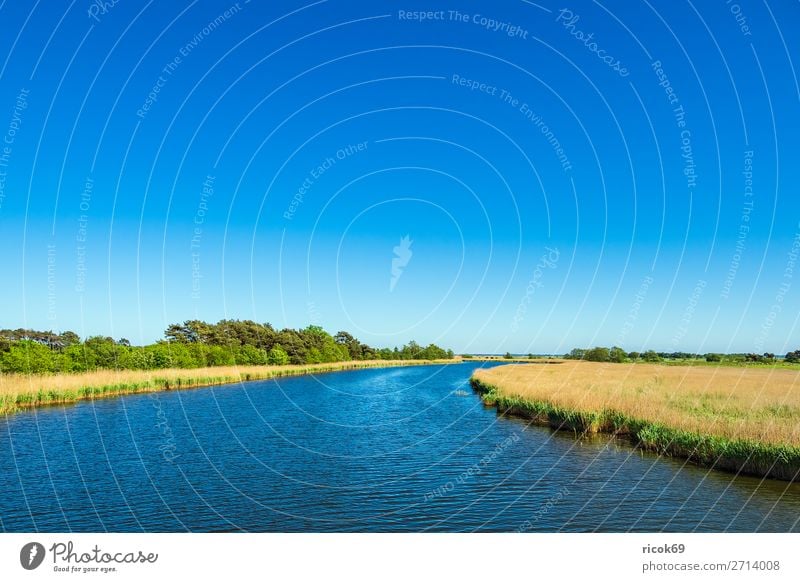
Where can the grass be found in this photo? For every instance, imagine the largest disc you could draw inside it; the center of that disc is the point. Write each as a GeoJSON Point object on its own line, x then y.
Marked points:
{"type": "Point", "coordinates": [21, 391]}
{"type": "Point", "coordinates": [515, 360]}
{"type": "Point", "coordinates": [774, 365]}
{"type": "Point", "coordinates": [736, 419]}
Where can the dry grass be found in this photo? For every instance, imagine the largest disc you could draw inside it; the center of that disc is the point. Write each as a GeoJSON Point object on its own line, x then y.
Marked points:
{"type": "Point", "coordinates": [18, 391]}
{"type": "Point", "coordinates": [736, 419]}
{"type": "Point", "coordinates": [736, 403]}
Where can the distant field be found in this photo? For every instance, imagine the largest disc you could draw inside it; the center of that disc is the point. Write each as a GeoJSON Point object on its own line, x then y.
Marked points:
{"type": "Point", "coordinates": [733, 418]}
{"type": "Point", "coordinates": [18, 391]}
{"type": "Point", "coordinates": [776, 364]}
{"type": "Point", "coordinates": [515, 359]}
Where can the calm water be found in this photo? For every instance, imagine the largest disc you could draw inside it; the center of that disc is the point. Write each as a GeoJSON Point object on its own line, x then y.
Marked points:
{"type": "Point", "coordinates": [397, 449]}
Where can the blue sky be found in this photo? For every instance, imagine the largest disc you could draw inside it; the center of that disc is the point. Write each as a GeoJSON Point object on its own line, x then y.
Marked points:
{"type": "Point", "coordinates": [611, 173]}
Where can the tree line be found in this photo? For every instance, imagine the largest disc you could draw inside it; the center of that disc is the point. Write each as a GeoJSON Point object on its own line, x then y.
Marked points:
{"type": "Point", "coordinates": [617, 354]}
{"type": "Point", "coordinates": [195, 344]}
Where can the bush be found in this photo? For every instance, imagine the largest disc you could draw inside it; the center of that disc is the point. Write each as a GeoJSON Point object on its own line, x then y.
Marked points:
{"type": "Point", "coordinates": [651, 356]}
{"type": "Point", "coordinates": [251, 356]}
{"type": "Point", "coordinates": [277, 357]}
{"type": "Point", "coordinates": [617, 355]}
{"type": "Point", "coordinates": [27, 357]}
{"type": "Point", "coordinates": [598, 355]}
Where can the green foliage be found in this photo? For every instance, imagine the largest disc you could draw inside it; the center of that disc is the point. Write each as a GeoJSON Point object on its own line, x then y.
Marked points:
{"type": "Point", "coordinates": [195, 344]}
{"type": "Point", "coordinates": [616, 354]}
{"type": "Point", "coordinates": [355, 348]}
{"type": "Point", "coordinates": [250, 355]}
{"type": "Point", "coordinates": [508, 356]}
{"type": "Point", "coordinates": [598, 354]}
{"type": "Point", "coordinates": [28, 356]}
{"type": "Point", "coordinates": [277, 356]}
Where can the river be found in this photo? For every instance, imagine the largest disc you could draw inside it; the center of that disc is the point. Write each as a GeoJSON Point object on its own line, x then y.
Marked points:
{"type": "Point", "coordinates": [378, 450]}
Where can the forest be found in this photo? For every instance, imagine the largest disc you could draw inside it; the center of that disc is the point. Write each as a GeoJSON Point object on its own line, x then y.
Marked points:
{"type": "Point", "coordinates": [195, 344]}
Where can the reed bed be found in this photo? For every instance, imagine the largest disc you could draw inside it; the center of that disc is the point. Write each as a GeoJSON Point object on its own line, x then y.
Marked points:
{"type": "Point", "coordinates": [21, 391]}
{"type": "Point", "coordinates": [737, 419]}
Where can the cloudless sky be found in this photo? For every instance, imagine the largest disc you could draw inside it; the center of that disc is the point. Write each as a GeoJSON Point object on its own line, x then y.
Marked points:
{"type": "Point", "coordinates": [262, 160]}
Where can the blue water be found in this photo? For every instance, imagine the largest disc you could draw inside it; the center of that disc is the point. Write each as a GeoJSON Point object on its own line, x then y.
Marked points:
{"type": "Point", "coordinates": [395, 449]}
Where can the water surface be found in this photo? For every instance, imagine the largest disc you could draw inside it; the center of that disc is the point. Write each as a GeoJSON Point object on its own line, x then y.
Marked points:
{"type": "Point", "coordinates": [396, 449]}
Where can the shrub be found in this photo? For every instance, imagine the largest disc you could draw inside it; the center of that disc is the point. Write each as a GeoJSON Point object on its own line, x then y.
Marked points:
{"type": "Point", "coordinates": [598, 355]}
{"type": "Point", "coordinates": [277, 356]}
{"type": "Point", "coordinates": [617, 355]}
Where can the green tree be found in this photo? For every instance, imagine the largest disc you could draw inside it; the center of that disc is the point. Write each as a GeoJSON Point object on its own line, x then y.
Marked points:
{"type": "Point", "coordinates": [27, 357]}
{"type": "Point", "coordinates": [598, 354]}
{"type": "Point", "coordinates": [291, 341]}
{"type": "Point", "coordinates": [352, 344]}
{"type": "Point", "coordinates": [410, 351]}
{"type": "Point", "coordinates": [617, 354]}
{"type": "Point", "coordinates": [68, 338]}
{"type": "Point", "coordinates": [101, 351]}
{"type": "Point", "coordinates": [249, 355]}
{"type": "Point", "coordinates": [220, 356]}
{"type": "Point", "coordinates": [433, 352]}
{"type": "Point", "coordinates": [576, 354]}
{"type": "Point", "coordinates": [277, 356]}
{"type": "Point", "coordinates": [314, 356]}
{"type": "Point", "coordinates": [193, 344]}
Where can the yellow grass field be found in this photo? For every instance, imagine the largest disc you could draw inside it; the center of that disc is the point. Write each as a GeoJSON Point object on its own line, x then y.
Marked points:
{"type": "Point", "coordinates": [19, 391]}
{"type": "Point", "coordinates": [760, 404]}
{"type": "Point", "coordinates": [705, 413]}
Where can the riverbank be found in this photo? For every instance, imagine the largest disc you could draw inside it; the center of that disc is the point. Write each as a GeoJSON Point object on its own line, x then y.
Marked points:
{"type": "Point", "coordinates": [20, 392]}
{"type": "Point", "coordinates": [514, 360]}
{"type": "Point", "coordinates": [732, 419]}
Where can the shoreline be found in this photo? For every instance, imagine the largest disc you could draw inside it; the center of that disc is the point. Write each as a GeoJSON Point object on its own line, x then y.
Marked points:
{"type": "Point", "coordinates": [740, 456]}
{"type": "Point", "coordinates": [502, 360]}
{"type": "Point", "coordinates": [60, 389]}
